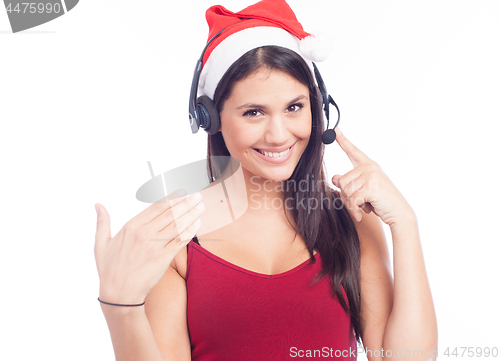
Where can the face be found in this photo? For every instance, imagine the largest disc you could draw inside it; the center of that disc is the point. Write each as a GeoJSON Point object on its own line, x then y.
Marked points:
{"type": "Point", "coordinates": [266, 123]}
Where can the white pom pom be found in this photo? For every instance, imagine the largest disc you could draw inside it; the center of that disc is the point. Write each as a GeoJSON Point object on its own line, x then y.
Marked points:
{"type": "Point", "coordinates": [316, 47]}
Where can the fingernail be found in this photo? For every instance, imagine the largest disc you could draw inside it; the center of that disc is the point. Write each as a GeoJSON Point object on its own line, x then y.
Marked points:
{"type": "Point", "coordinates": [338, 131]}
{"type": "Point", "coordinates": [196, 196]}
{"type": "Point", "coordinates": [96, 209]}
{"type": "Point", "coordinates": [200, 206]}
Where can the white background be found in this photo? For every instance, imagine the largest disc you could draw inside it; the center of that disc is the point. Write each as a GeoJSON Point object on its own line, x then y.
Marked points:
{"type": "Point", "coordinates": [87, 99]}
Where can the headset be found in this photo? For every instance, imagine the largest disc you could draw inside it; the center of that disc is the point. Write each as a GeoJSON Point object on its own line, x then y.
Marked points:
{"type": "Point", "coordinates": [203, 112]}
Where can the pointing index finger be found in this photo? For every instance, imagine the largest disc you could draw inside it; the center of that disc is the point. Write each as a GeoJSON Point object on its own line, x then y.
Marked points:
{"type": "Point", "coordinates": [356, 156]}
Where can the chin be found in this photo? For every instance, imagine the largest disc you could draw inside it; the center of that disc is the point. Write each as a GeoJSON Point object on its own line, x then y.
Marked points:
{"type": "Point", "coordinates": [275, 176]}
{"type": "Point", "coordinates": [275, 179]}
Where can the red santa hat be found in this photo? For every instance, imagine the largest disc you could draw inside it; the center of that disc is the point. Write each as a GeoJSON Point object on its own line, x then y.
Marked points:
{"type": "Point", "coordinates": [268, 22]}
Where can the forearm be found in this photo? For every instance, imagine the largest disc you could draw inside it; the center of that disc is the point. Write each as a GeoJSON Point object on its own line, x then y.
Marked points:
{"type": "Point", "coordinates": [412, 323]}
{"type": "Point", "coordinates": [131, 334]}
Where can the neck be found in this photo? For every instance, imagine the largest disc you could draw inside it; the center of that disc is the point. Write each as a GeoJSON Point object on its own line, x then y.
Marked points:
{"type": "Point", "coordinates": [261, 195]}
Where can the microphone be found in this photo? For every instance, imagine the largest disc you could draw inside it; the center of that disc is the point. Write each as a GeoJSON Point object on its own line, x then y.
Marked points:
{"type": "Point", "coordinates": [328, 136]}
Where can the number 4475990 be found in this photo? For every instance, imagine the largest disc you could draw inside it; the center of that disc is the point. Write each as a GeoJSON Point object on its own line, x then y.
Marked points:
{"type": "Point", "coordinates": [34, 8]}
{"type": "Point", "coordinates": [471, 352]}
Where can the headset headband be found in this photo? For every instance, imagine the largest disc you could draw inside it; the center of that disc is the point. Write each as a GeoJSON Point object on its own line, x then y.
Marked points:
{"type": "Point", "coordinates": [194, 107]}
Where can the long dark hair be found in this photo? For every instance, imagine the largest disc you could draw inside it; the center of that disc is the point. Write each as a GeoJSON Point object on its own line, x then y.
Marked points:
{"type": "Point", "coordinates": [328, 226]}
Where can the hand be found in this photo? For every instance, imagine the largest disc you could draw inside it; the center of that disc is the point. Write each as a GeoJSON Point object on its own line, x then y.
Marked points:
{"type": "Point", "coordinates": [367, 187]}
{"type": "Point", "coordinates": [132, 262]}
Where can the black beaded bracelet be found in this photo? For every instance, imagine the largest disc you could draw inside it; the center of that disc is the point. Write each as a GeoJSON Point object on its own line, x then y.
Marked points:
{"type": "Point", "coordinates": [118, 304]}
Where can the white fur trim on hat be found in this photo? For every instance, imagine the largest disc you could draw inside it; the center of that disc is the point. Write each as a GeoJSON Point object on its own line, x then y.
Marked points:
{"type": "Point", "coordinates": [316, 47]}
{"type": "Point", "coordinates": [235, 45]}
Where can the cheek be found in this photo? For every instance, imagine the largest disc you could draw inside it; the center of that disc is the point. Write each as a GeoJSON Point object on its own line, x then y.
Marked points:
{"type": "Point", "coordinates": [303, 129]}
{"type": "Point", "coordinates": [235, 137]}
{"type": "Point", "coordinates": [307, 129]}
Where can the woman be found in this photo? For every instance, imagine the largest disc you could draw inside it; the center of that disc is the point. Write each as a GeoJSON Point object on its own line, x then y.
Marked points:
{"type": "Point", "coordinates": [303, 272]}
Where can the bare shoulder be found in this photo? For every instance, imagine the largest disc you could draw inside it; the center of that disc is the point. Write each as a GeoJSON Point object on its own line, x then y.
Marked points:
{"type": "Point", "coordinates": [179, 263]}
{"type": "Point", "coordinates": [166, 310]}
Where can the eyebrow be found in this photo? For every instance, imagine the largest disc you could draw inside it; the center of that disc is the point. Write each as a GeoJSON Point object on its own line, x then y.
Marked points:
{"type": "Point", "coordinates": [261, 106]}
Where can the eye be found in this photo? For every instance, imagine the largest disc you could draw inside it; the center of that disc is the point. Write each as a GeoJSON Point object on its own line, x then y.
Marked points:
{"type": "Point", "coordinates": [295, 107]}
{"type": "Point", "coordinates": [252, 113]}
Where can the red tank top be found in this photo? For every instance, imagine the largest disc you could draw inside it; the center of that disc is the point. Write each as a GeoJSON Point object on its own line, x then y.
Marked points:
{"type": "Point", "coordinates": [237, 314]}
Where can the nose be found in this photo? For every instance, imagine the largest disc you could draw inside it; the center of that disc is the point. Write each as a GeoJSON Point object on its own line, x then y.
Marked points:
{"type": "Point", "coordinates": [277, 130]}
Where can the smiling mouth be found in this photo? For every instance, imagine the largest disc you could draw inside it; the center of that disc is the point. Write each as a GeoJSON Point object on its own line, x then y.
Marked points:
{"type": "Point", "coordinates": [274, 155]}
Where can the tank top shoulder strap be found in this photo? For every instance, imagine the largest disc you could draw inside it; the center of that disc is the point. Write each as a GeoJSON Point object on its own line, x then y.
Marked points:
{"type": "Point", "coordinates": [195, 240]}
{"type": "Point", "coordinates": [190, 255]}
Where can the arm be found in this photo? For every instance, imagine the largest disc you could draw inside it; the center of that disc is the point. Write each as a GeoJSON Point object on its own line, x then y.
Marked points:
{"type": "Point", "coordinates": [399, 316]}
{"type": "Point", "coordinates": [136, 265]}
{"type": "Point", "coordinates": [413, 310]}
{"type": "Point", "coordinates": [156, 331]}
{"type": "Point", "coordinates": [131, 334]}
{"type": "Point", "coordinates": [166, 307]}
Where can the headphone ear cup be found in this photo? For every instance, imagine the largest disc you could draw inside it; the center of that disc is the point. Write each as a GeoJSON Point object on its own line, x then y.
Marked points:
{"type": "Point", "coordinates": [209, 116]}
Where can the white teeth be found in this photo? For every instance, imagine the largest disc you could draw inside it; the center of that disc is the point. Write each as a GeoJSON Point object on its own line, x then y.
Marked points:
{"type": "Point", "coordinates": [274, 155]}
